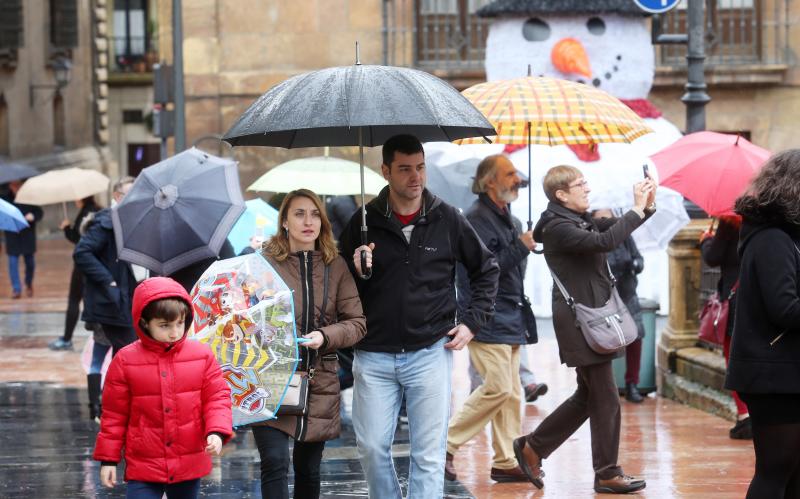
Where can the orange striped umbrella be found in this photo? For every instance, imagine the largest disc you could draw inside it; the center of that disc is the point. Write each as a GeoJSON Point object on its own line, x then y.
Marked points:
{"type": "Point", "coordinates": [555, 112]}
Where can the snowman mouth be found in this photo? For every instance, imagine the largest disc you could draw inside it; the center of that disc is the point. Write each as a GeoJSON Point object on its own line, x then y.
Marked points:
{"type": "Point", "coordinates": [607, 75]}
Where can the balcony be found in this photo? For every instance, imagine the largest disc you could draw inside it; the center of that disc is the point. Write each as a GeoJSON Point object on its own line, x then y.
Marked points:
{"type": "Point", "coordinates": [746, 40]}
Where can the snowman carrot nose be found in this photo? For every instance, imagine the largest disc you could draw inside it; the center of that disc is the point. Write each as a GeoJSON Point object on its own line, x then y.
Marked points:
{"type": "Point", "coordinates": [569, 56]}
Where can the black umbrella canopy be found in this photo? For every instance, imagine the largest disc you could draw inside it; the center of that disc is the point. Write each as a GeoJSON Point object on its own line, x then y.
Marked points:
{"type": "Point", "coordinates": [10, 172]}
{"type": "Point", "coordinates": [329, 106]}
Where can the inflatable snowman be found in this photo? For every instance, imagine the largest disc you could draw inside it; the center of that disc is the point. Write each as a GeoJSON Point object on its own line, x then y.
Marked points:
{"type": "Point", "coordinates": [604, 43]}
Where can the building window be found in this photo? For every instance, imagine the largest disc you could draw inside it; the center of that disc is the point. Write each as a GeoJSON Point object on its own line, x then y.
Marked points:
{"type": "Point", "coordinates": [11, 32]}
{"type": "Point", "coordinates": [63, 27]}
{"type": "Point", "coordinates": [130, 34]}
{"type": "Point", "coordinates": [450, 35]}
{"type": "Point", "coordinates": [5, 131]}
{"type": "Point", "coordinates": [140, 156]}
{"type": "Point", "coordinates": [59, 129]}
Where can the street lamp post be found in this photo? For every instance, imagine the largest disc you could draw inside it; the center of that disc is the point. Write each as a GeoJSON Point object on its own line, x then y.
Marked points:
{"type": "Point", "coordinates": [62, 72]}
{"type": "Point", "coordinates": [177, 48]}
{"type": "Point", "coordinates": [695, 97]}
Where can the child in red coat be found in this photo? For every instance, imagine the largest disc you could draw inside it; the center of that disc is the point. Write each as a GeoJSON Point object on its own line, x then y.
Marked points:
{"type": "Point", "coordinates": [165, 401]}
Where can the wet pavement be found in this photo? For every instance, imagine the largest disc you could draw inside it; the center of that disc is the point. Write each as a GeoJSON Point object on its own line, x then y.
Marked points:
{"type": "Point", "coordinates": [46, 438]}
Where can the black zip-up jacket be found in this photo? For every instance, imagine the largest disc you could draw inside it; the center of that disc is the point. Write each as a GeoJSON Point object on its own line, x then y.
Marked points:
{"type": "Point", "coordinates": [410, 300]}
{"type": "Point", "coordinates": [500, 232]}
{"type": "Point", "coordinates": [765, 347]}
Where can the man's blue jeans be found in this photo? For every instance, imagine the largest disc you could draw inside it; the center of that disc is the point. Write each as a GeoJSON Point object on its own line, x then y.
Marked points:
{"type": "Point", "coordinates": [13, 271]}
{"type": "Point", "coordinates": [381, 380]}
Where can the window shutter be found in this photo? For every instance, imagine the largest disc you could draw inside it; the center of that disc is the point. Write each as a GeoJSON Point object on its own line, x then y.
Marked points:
{"type": "Point", "coordinates": [64, 23]}
{"type": "Point", "coordinates": [11, 26]}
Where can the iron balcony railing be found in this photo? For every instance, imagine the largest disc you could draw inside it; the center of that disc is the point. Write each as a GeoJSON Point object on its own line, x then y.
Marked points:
{"type": "Point", "coordinates": [446, 35]}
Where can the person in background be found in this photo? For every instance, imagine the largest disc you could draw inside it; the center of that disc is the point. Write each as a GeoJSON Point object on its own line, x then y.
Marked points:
{"type": "Point", "coordinates": [495, 350]}
{"type": "Point", "coordinates": [626, 263]}
{"type": "Point", "coordinates": [109, 281]}
{"type": "Point", "coordinates": [22, 243]}
{"type": "Point", "coordinates": [86, 206]}
{"type": "Point", "coordinates": [764, 365]}
{"type": "Point", "coordinates": [254, 245]}
{"type": "Point", "coordinates": [720, 249]}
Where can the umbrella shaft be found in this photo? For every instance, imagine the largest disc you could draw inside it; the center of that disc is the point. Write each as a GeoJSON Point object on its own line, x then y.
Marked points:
{"type": "Point", "coordinates": [361, 170]}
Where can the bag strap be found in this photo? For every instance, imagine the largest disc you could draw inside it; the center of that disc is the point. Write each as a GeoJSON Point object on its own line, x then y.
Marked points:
{"type": "Point", "coordinates": [565, 294]}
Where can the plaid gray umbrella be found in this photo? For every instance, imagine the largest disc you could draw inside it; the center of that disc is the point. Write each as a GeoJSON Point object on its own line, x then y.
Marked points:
{"type": "Point", "coordinates": [179, 211]}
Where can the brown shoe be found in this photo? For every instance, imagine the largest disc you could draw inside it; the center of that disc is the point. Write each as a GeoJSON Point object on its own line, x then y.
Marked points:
{"type": "Point", "coordinates": [16, 295]}
{"type": "Point", "coordinates": [449, 468]}
{"type": "Point", "coordinates": [514, 474]}
{"type": "Point", "coordinates": [29, 291]}
{"type": "Point", "coordinates": [529, 462]}
{"type": "Point", "coordinates": [622, 484]}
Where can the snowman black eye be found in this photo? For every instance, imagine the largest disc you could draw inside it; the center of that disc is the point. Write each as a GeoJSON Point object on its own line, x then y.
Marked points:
{"type": "Point", "coordinates": [535, 30]}
{"type": "Point", "coordinates": [596, 26]}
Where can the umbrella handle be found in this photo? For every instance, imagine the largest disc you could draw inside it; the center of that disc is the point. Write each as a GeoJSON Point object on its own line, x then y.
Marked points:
{"type": "Point", "coordinates": [366, 273]}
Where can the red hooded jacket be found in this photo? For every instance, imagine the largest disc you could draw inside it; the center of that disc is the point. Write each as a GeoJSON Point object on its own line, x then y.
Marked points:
{"type": "Point", "coordinates": [161, 401]}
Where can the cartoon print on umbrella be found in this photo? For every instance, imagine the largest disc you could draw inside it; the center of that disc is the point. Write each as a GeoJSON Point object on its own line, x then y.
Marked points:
{"type": "Point", "coordinates": [245, 313]}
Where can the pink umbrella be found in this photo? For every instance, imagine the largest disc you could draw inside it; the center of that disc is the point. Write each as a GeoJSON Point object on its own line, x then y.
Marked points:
{"type": "Point", "coordinates": [711, 169]}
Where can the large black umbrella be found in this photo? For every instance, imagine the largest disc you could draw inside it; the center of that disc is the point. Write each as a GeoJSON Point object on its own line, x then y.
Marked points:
{"type": "Point", "coordinates": [10, 172]}
{"type": "Point", "coordinates": [179, 211]}
{"type": "Point", "coordinates": [357, 106]}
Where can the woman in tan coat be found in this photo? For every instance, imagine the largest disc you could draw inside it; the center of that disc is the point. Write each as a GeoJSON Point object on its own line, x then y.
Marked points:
{"type": "Point", "coordinates": [300, 252]}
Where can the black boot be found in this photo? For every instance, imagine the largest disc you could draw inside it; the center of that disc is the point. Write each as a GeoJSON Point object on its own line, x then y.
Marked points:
{"type": "Point", "coordinates": [93, 383]}
{"type": "Point", "coordinates": [632, 394]}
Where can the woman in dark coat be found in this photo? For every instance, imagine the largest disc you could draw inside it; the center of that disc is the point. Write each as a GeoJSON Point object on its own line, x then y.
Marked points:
{"type": "Point", "coordinates": [720, 249]}
{"type": "Point", "coordinates": [22, 243]}
{"type": "Point", "coordinates": [764, 363]}
{"type": "Point", "coordinates": [86, 206]}
{"type": "Point", "coordinates": [575, 248]}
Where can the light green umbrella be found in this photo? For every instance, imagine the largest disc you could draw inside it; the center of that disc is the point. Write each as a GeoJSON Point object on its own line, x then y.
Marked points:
{"type": "Point", "coordinates": [324, 175]}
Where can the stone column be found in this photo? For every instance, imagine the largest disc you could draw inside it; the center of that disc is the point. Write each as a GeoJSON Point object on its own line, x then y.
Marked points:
{"type": "Point", "coordinates": [684, 296]}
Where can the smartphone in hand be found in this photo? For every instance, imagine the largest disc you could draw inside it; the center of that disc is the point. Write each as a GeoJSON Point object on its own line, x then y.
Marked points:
{"type": "Point", "coordinates": [646, 171]}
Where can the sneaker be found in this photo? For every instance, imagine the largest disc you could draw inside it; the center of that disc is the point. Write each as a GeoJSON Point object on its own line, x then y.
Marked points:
{"type": "Point", "coordinates": [622, 484]}
{"type": "Point", "coordinates": [60, 344]}
{"type": "Point", "coordinates": [534, 391]}
{"type": "Point", "coordinates": [742, 430]}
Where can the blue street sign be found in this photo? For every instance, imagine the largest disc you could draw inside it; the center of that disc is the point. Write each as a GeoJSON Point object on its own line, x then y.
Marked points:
{"type": "Point", "coordinates": [657, 6]}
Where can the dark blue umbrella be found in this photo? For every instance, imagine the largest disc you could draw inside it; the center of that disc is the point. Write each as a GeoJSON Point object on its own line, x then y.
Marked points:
{"type": "Point", "coordinates": [10, 172]}
{"type": "Point", "coordinates": [11, 219]}
{"type": "Point", "coordinates": [179, 211]}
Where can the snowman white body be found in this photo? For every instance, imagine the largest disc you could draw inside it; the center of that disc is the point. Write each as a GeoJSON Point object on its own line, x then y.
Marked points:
{"type": "Point", "coordinates": [621, 58]}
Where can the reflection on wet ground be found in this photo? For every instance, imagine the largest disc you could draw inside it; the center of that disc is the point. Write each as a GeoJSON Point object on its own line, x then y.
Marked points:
{"type": "Point", "coordinates": [47, 440]}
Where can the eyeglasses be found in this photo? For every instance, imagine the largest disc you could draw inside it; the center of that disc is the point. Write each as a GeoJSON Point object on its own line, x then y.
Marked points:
{"type": "Point", "coordinates": [582, 183]}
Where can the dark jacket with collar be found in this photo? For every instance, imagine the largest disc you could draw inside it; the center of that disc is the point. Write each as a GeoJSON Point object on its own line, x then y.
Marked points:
{"type": "Point", "coordinates": [575, 248]}
{"type": "Point", "coordinates": [765, 347]}
{"type": "Point", "coordinates": [410, 300]}
{"type": "Point", "coordinates": [500, 232]}
{"type": "Point", "coordinates": [96, 257]}
{"type": "Point", "coordinates": [24, 241]}
{"type": "Point", "coordinates": [73, 232]}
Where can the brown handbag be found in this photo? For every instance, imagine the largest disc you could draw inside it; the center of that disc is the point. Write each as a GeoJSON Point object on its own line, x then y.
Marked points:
{"type": "Point", "coordinates": [295, 398]}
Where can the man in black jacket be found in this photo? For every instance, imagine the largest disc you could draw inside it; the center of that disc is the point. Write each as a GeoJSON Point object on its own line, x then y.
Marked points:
{"type": "Point", "coordinates": [22, 243]}
{"type": "Point", "coordinates": [495, 351]}
{"type": "Point", "coordinates": [410, 303]}
{"type": "Point", "coordinates": [109, 281]}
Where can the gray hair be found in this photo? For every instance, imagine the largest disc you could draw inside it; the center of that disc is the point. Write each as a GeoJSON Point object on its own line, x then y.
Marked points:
{"type": "Point", "coordinates": [119, 184]}
{"type": "Point", "coordinates": [487, 169]}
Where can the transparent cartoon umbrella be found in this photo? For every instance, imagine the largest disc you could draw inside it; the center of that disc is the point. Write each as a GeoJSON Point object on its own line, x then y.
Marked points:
{"type": "Point", "coordinates": [244, 311]}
